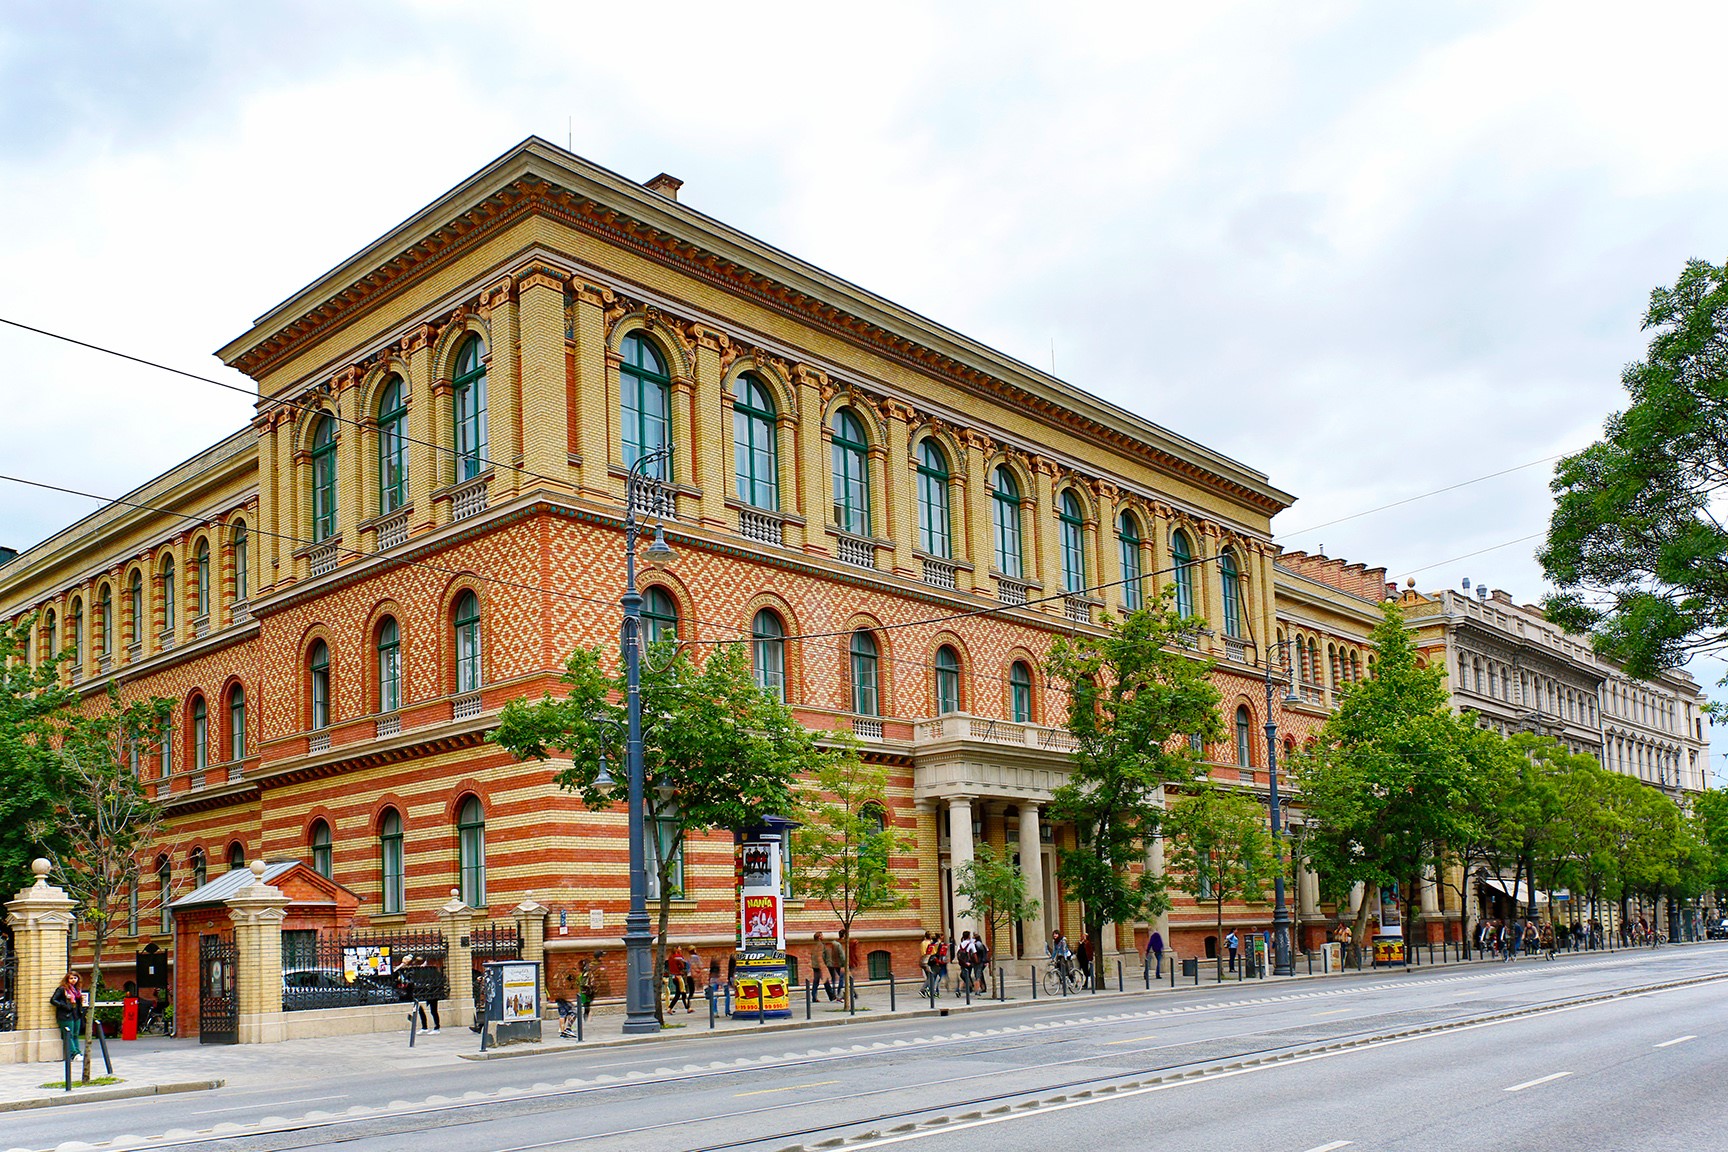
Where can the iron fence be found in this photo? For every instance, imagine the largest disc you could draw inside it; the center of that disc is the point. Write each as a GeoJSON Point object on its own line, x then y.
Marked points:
{"type": "Point", "coordinates": [347, 969]}
{"type": "Point", "coordinates": [492, 942]}
{"type": "Point", "coordinates": [8, 987]}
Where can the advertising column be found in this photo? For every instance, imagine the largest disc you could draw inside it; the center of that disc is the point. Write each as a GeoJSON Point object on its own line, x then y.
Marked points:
{"type": "Point", "coordinates": [762, 990]}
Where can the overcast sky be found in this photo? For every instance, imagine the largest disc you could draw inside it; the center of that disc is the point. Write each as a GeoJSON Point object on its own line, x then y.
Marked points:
{"type": "Point", "coordinates": [1371, 249]}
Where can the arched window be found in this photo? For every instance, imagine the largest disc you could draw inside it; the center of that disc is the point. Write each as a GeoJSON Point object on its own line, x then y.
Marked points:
{"type": "Point", "coordinates": [390, 859]}
{"type": "Point", "coordinates": [389, 665]}
{"type": "Point", "coordinates": [1020, 693]}
{"type": "Point", "coordinates": [659, 616]}
{"type": "Point", "coordinates": [768, 653]}
{"type": "Point", "coordinates": [200, 735]}
{"type": "Point", "coordinates": [1005, 511]}
{"type": "Point", "coordinates": [1244, 737]}
{"type": "Point", "coordinates": [165, 749]}
{"type": "Point", "coordinates": [865, 700]}
{"type": "Point", "coordinates": [168, 613]}
{"type": "Point", "coordinates": [165, 893]}
{"type": "Point", "coordinates": [1128, 532]}
{"type": "Point", "coordinates": [135, 605]}
{"type": "Point", "coordinates": [323, 852]}
{"type": "Point", "coordinates": [1355, 667]}
{"type": "Point", "coordinates": [201, 577]}
{"type": "Point", "coordinates": [1182, 561]}
{"type": "Point", "coordinates": [468, 395]}
{"type": "Point", "coordinates": [242, 563]}
{"type": "Point", "coordinates": [935, 535]}
{"type": "Point", "coordinates": [236, 856]}
{"type": "Point", "coordinates": [471, 852]}
{"type": "Point", "coordinates": [324, 479]}
{"type": "Point", "coordinates": [51, 634]}
{"type": "Point", "coordinates": [947, 680]}
{"type": "Point", "coordinates": [467, 624]}
{"type": "Point", "coordinates": [851, 474]}
{"type": "Point", "coordinates": [105, 625]}
{"type": "Point", "coordinates": [236, 723]}
{"type": "Point", "coordinates": [1232, 581]}
{"type": "Point", "coordinates": [319, 664]}
{"type": "Point", "coordinates": [646, 387]}
{"type": "Point", "coordinates": [754, 457]}
{"type": "Point", "coordinates": [1073, 524]}
{"type": "Point", "coordinates": [75, 631]}
{"type": "Point", "coordinates": [392, 448]}
{"type": "Point", "coordinates": [200, 869]}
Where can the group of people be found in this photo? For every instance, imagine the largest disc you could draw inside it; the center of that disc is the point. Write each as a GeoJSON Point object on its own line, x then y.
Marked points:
{"type": "Point", "coordinates": [971, 955]}
{"type": "Point", "coordinates": [1504, 939]}
{"type": "Point", "coordinates": [1076, 961]}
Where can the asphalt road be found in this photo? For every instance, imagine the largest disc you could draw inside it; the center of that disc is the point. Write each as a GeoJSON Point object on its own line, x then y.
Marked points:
{"type": "Point", "coordinates": [1623, 1051]}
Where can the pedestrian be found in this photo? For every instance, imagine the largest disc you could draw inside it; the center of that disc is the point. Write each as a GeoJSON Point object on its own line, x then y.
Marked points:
{"type": "Point", "coordinates": [1548, 938]}
{"type": "Point", "coordinates": [1155, 952]}
{"type": "Point", "coordinates": [412, 986]}
{"type": "Point", "coordinates": [818, 965]}
{"type": "Point", "coordinates": [943, 956]}
{"type": "Point", "coordinates": [980, 965]}
{"type": "Point", "coordinates": [566, 1019]}
{"type": "Point", "coordinates": [1083, 958]}
{"type": "Point", "coordinates": [1231, 945]}
{"type": "Point", "coordinates": [68, 1001]}
{"type": "Point", "coordinates": [963, 957]}
{"type": "Point", "coordinates": [677, 974]}
{"type": "Point", "coordinates": [927, 964]}
{"type": "Point", "coordinates": [834, 960]}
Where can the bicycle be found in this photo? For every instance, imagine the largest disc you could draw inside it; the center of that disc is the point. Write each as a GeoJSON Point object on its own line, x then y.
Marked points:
{"type": "Point", "coordinates": [1060, 978]}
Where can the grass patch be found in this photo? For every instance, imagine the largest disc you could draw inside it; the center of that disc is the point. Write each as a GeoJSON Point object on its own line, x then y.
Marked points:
{"type": "Point", "coordinates": [96, 1082]}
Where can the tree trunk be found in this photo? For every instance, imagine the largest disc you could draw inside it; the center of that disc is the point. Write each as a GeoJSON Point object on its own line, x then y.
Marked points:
{"type": "Point", "coordinates": [1360, 932]}
{"type": "Point", "coordinates": [90, 1000]}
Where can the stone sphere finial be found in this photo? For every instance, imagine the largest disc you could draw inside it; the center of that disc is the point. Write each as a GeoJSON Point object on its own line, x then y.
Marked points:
{"type": "Point", "coordinates": [455, 893]}
{"type": "Point", "coordinates": [257, 867]}
{"type": "Point", "coordinates": [40, 868]}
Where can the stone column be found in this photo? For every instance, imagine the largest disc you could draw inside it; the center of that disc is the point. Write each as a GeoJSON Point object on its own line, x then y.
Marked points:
{"type": "Point", "coordinates": [530, 917]}
{"type": "Point", "coordinates": [545, 378]}
{"type": "Point", "coordinates": [960, 856]}
{"type": "Point", "coordinates": [40, 917]}
{"type": "Point", "coordinates": [458, 921]}
{"type": "Point", "coordinates": [1155, 867]}
{"type": "Point", "coordinates": [902, 523]}
{"type": "Point", "coordinates": [257, 912]}
{"type": "Point", "coordinates": [1032, 867]}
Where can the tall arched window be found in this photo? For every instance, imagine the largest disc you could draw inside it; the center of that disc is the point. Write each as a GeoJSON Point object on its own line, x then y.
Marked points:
{"type": "Point", "coordinates": [323, 851]}
{"type": "Point", "coordinates": [169, 616]}
{"type": "Point", "coordinates": [1005, 513]}
{"type": "Point", "coordinates": [659, 616]}
{"type": "Point", "coordinates": [947, 680]}
{"type": "Point", "coordinates": [1072, 520]}
{"type": "Point", "coordinates": [236, 856]}
{"type": "Point", "coordinates": [1128, 533]}
{"type": "Point", "coordinates": [200, 735]}
{"type": "Point", "coordinates": [468, 396]}
{"type": "Point", "coordinates": [319, 665]}
{"type": "Point", "coordinates": [392, 448]}
{"type": "Point", "coordinates": [201, 577]}
{"type": "Point", "coordinates": [390, 859]}
{"type": "Point", "coordinates": [1231, 578]}
{"type": "Point", "coordinates": [389, 665]}
{"type": "Point", "coordinates": [467, 623]}
{"type": "Point", "coordinates": [165, 893]}
{"type": "Point", "coordinates": [75, 631]}
{"type": "Point", "coordinates": [1020, 693]}
{"type": "Point", "coordinates": [324, 479]}
{"type": "Point", "coordinates": [754, 457]}
{"type": "Point", "coordinates": [851, 474]}
{"type": "Point", "coordinates": [105, 627]}
{"type": "Point", "coordinates": [471, 852]}
{"type": "Point", "coordinates": [1244, 737]}
{"type": "Point", "coordinates": [935, 535]}
{"type": "Point", "coordinates": [237, 723]}
{"type": "Point", "coordinates": [51, 634]}
{"type": "Point", "coordinates": [242, 563]}
{"type": "Point", "coordinates": [135, 606]}
{"type": "Point", "coordinates": [646, 388]}
{"type": "Point", "coordinates": [200, 869]}
{"type": "Point", "coordinates": [768, 653]}
{"type": "Point", "coordinates": [865, 699]}
{"type": "Point", "coordinates": [1182, 561]}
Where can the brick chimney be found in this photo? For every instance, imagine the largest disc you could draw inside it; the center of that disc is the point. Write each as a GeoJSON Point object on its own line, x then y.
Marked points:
{"type": "Point", "coordinates": [665, 184]}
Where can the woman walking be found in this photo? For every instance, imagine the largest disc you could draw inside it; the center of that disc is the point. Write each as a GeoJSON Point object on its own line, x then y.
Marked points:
{"type": "Point", "coordinates": [68, 1001]}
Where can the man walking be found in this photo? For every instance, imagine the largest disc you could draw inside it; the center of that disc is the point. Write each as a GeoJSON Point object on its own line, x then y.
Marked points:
{"type": "Point", "coordinates": [1155, 952]}
{"type": "Point", "coordinates": [1232, 944]}
{"type": "Point", "coordinates": [835, 961]}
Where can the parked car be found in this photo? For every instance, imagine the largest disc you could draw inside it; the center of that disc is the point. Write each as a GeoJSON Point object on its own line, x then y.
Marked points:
{"type": "Point", "coordinates": [306, 988]}
{"type": "Point", "coordinates": [1717, 930]}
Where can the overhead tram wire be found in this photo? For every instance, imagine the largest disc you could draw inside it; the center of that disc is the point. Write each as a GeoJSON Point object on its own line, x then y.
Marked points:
{"type": "Point", "coordinates": [1423, 496]}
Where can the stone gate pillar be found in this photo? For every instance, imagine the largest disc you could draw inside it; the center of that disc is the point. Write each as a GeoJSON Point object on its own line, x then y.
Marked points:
{"type": "Point", "coordinates": [257, 911]}
{"type": "Point", "coordinates": [530, 917]}
{"type": "Point", "coordinates": [458, 921]}
{"type": "Point", "coordinates": [40, 917]}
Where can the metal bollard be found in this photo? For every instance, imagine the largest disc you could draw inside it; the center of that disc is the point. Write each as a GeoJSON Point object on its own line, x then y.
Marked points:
{"type": "Point", "coordinates": [66, 1055]}
{"type": "Point", "coordinates": [1001, 985]}
{"type": "Point", "coordinates": [891, 991]}
{"type": "Point", "coordinates": [1119, 986]}
{"type": "Point", "coordinates": [809, 998]}
{"type": "Point", "coordinates": [413, 1024]}
{"type": "Point", "coordinates": [582, 1012]}
{"type": "Point", "coordinates": [1034, 981]}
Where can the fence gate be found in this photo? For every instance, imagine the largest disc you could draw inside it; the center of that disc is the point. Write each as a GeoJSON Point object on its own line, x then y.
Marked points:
{"type": "Point", "coordinates": [218, 1006]}
{"type": "Point", "coordinates": [491, 942]}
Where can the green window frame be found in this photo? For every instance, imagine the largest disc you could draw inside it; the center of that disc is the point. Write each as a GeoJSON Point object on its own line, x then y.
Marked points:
{"type": "Point", "coordinates": [1182, 572]}
{"type": "Point", "coordinates": [660, 838]}
{"type": "Point", "coordinates": [471, 853]}
{"type": "Point", "coordinates": [947, 680]}
{"type": "Point", "coordinates": [105, 605]}
{"type": "Point", "coordinates": [1244, 737]}
{"type": "Point", "coordinates": [319, 665]}
{"type": "Point", "coordinates": [467, 624]}
{"type": "Point", "coordinates": [935, 527]}
{"type": "Point", "coordinates": [1005, 513]}
{"type": "Point", "coordinates": [468, 402]}
{"type": "Point", "coordinates": [236, 856]}
{"type": "Point", "coordinates": [165, 886]}
{"type": "Point", "coordinates": [392, 448]}
{"type": "Point", "coordinates": [755, 455]}
{"type": "Point", "coordinates": [200, 869]}
{"type": "Point", "coordinates": [201, 572]}
{"type": "Point", "coordinates": [768, 653]}
{"type": "Point", "coordinates": [75, 631]}
{"type": "Point", "coordinates": [135, 593]}
{"type": "Point", "coordinates": [866, 697]}
{"type": "Point", "coordinates": [389, 665]}
{"type": "Point", "coordinates": [659, 616]}
{"type": "Point", "coordinates": [1128, 533]}
{"type": "Point", "coordinates": [1231, 579]}
{"type": "Point", "coordinates": [51, 633]}
{"type": "Point", "coordinates": [242, 562]}
{"type": "Point", "coordinates": [1020, 693]}
{"type": "Point", "coordinates": [200, 734]}
{"type": "Point", "coordinates": [323, 850]}
{"type": "Point", "coordinates": [168, 596]}
{"type": "Point", "coordinates": [324, 479]}
{"type": "Point", "coordinates": [645, 399]}
{"type": "Point", "coordinates": [851, 459]}
{"type": "Point", "coordinates": [1072, 521]}
{"type": "Point", "coordinates": [237, 723]}
{"type": "Point", "coordinates": [390, 861]}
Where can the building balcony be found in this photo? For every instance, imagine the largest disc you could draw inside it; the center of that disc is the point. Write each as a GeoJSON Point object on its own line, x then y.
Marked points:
{"type": "Point", "coordinates": [469, 497]}
{"type": "Point", "coordinates": [762, 526]}
{"type": "Point", "coordinates": [939, 573]}
{"type": "Point", "coordinates": [1011, 591]}
{"type": "Point", "coordinates": [855, 550]}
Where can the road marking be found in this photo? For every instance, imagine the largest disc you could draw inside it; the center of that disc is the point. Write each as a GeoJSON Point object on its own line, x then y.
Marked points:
{"type": "Point", "coordinates": [266, 1104]}
{"type": "Point", "coordinates": [1130, 1040]}
{"type": "Point", "coordinates": [1533, 1083]}
{"type": "Point", "coordinates": [1333, 1012]}
{"type": "Point", "coordinates": [787, 1088]}
{"type": "Point", "coordinates": [1676, 1040]}
{"type": "Point", "coordinates": [1332, 1147]}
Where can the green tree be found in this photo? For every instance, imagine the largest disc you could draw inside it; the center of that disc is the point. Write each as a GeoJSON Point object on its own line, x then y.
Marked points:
{"type": "Point", "coordinates": [995, 888]}
{"type": "Point", "coordinates": [718, 752]}
{"type": "Point", "coordinates": [1710, 812]}
{"type": "Point", "coordinates": [34, 710]}
{"type": "Point", "coordinates": [1391, 779]}
{"type": "Point", "coordinates": [846, 848]}
{"type": "Point", "coordinates": [1218, 844]}
{"type": "Point", "coordinates": [1636, 546]}
{"type": "Point", "coordinates": [1135, 696]}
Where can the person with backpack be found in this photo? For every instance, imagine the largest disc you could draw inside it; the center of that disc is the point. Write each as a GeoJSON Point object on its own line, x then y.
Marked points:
{"type": "Point", "coordinates": [942, 958]}
{"type": "Point", "coordinates": [834, 959]}
{"type": "Point", "coordinates": [927, 963]}
{"type": "Point", "coordinates": [1232, 945]}
{"type": "Point", "coordinates": [980, 966]}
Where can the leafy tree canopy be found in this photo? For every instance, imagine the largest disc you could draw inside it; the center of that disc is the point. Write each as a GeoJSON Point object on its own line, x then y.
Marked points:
{"type": "Point", "coordinates": [845, 851]}
{"type": "Point", "coordinates": [34, 714]}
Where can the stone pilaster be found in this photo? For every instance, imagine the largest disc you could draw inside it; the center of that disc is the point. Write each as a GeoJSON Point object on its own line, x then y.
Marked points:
{"type": "Point", "coordinates": [815, 464]}
{"type": "Point", "coordinates": [1049, 559]}
{"type": "Point", "coordinates": [979, 522]}
{"type": "Point", "coordinates": [257, 911]}
{"type": "Point", "coordinates": [458, 920]}
{"type": "Point", "coordinates": [423, 457]}
{"type": "Point", "coordinates": [40, 917]}
{"type": "Point", "coordinates": [530, 917]}
{"type": "Point", "coordinates": [503, 391]}
{"type": "Point", "coordinates": [960, 855]}
{"type": "Point", "coordinates": [708, 459]}
{"type": "Point", "coordinates": [897, 488]}
{"type": "Point", "coordinates": [545, 378]}
{"type": "Point", "coordinates": [1032, 867]}
{"type": "Point", "coordinates": [593, 388]}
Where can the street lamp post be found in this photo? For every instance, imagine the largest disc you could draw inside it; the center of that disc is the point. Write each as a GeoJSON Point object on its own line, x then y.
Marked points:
{"type": "Point", "coordinates": [1282, 962]}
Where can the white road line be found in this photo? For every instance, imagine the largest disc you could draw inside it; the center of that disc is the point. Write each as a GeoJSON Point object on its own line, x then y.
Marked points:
{"type": "Point", "coordinates": [1332, 1147]}
{"type": "Point", "coordinates": [1533, 1083]}
{"type": "Point", "coordinates": [266, 1104]}
{"type": "Point", "coordinates": [1676, 1040]}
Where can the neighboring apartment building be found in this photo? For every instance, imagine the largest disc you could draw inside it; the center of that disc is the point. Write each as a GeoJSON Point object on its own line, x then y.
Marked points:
{"type": "Point", "coordinates": [424, 519]}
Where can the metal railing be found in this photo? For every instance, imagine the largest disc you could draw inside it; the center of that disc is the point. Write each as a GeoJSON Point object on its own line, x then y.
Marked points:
{"type": "Point", "coordinates": [353, 969]}
{"type": "Point", "coordinates": [762, 527]}
{"type": "Point", "coordinates": [491, 942]}
{"type": "Point", "coordinates": [8, 988]}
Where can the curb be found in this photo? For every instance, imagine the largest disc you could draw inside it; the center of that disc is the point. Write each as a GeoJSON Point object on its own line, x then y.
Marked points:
{"type": "Point", "coordinates": [97, 1095]}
